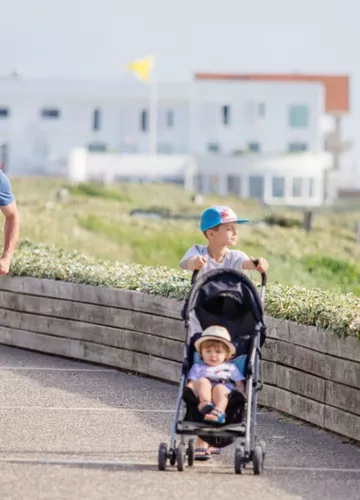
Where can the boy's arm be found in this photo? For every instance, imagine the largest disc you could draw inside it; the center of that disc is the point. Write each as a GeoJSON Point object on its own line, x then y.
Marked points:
{"type": "Point", "coordinates": [262, 266]}
{"type": "Point", "coordinates": [193, 260]}
{"type": "Point", "coordinates": [194, 263]}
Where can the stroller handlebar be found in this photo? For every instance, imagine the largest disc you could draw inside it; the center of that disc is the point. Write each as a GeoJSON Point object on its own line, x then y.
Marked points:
{"type": "Point", "coordinates": [263, 275]}
{"type": "Point", "coordinates": [255, 261]}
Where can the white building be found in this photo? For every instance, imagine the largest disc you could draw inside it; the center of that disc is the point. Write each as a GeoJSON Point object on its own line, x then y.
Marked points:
{"type": "Point", "coordinates": [267, 117]}
{"type": "Point", "coordinates": [295, 179]}
{"type": "Point", "coordinates": [290, 179]}
{"type": "Point", "coordinates": [42, 121]}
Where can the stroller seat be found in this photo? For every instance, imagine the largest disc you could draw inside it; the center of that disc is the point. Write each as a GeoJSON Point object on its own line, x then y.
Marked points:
{"type": "Point", "coordinates": [235, 413]}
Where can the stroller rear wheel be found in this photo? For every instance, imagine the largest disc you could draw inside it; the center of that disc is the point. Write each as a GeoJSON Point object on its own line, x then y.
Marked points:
{"type": "Point", "coordinates": [258, 459]}
{"type": "Point", "coordinates": [190, 453]}
{"type": "Point", "coordinates": [239, 459]}
{"type": "Point", "coordinates": [180, 457]}
{"type": "Point", "coordinates": [162, 456]}
{"type": "Point", "coordinates": [263, 447]}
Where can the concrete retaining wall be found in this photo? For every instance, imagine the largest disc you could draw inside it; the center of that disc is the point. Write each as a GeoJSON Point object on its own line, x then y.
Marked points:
{"type": "Point", "coordinates": [310, 374]}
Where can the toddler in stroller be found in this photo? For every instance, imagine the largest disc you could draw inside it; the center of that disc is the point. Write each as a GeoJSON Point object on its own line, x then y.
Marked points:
{"type": "Point", "coordinates": [214, 379]}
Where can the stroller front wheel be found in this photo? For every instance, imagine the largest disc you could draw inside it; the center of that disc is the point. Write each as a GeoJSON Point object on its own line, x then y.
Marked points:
{"type": "Point", "coordinates": [162, 456]}
{"type": "Point", "coordinates": [258, 459]}
{"type": "Point", "coordinates": [180, 457]}
{"type": "Point", "coordinates": [239, 459]}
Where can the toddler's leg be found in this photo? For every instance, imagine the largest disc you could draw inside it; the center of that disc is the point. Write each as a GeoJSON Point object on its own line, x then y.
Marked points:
{"type": "Point", "coordinates": [220, 396]}
{"type": "Point", "coordinates": [192, 385]}
{"type": "Point", "coordinates": [203, 388]}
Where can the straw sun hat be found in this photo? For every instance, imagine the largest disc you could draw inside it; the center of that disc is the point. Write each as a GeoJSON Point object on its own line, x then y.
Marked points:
{"type": "Point", "coordinates": [218, 333]}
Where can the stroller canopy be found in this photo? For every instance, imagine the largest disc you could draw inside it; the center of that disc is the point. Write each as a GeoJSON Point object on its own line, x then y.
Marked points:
{"type": "Point", "coordinates": [229, 298]}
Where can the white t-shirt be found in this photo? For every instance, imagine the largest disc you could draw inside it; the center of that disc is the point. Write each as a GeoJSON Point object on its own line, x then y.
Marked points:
{"type": "Point", "coordinates": [226, 372]}
{"type": "Point", "coordinates": [233, 260]}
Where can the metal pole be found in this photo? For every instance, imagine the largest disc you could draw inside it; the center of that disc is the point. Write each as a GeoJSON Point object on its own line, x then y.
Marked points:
{"type": "Point", "coordinates": [153, 117]}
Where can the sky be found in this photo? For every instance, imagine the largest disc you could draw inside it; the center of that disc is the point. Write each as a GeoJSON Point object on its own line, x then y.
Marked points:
{"type": "Point", "coordinates": [92, 39]}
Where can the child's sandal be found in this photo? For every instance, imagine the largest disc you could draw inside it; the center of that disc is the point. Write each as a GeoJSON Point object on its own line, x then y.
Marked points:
{"type": "Point", "coordinates": [216, 416]}
{"type": "Point", "coordinates": [205, 407]}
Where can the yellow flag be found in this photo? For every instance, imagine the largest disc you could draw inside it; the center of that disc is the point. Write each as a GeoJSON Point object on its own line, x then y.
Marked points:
{"type": "Point", "coordinates": [142, 68]}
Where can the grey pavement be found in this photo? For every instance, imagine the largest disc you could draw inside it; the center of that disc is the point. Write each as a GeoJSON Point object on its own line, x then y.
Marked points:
{"type": "Point", "coordinates": [71, 430]}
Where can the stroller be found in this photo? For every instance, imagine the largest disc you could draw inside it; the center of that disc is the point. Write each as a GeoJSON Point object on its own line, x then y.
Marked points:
{"type": "Point", "coordinates": [228, 298]}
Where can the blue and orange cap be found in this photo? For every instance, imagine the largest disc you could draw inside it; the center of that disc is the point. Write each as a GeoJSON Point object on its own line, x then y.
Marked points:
{"type": "Point", "coordinates": [214, 216]}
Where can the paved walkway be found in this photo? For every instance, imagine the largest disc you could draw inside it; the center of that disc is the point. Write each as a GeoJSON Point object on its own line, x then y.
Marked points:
{"type": "Point", "coordinates": [70, 430]}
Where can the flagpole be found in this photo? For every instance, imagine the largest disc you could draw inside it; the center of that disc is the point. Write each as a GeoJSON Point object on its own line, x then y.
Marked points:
{"type": "Point", "coordinates": [145, 71]}
{"type": "Point", "coordinates": [153, 113]}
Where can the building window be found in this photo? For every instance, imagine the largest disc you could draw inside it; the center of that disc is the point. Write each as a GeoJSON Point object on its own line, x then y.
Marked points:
{"type": "Point", "coordinates": [96, 119]}
{"type": "Point", "coordinates": [297, 147]}
{"type": "Point", "coordinates": [234, 185]}
{"type": "Point", "coordinates": [225, 115]}
{"type": "Point", "coordinates": [256, 186]}
{"type": "Point", "coordinates": [254, 111]}
{"type": "Point", "coordinates": [144, 121]}
{"type": "Point", "coordinates": [297, 187]}
{"type": "Point", "coordinates": [278, 187]}
{"type": "Point", "coordinates": [165, 148]}
{"type": "Point", "coordinates": [213, 147]}
{"type": "Point", "coordinates": [311, 187]}
{"type": "Point", "coordinates": [4, 112]}
{"type": "Point", "coordinates": [170, 119]}
{"type": "Point", "coordinates": [50, 113]}
{"type": "Point", "coordinates": [97, 147]}
{"type": "Point", "coordinates": [128, 148]}
{"type": "Point", "coordinates": [298, 116]}
{"type": "Point", "coordinates": [261, 109]}
{"type": "Point", "coordinates": [254, 147]}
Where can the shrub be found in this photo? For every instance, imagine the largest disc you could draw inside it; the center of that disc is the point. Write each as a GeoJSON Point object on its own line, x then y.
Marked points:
{"type": "Point", "coordinates": [343, 271]}
{"type": "Point", "coordinates": [98, 191]}
{"type": "Point", "coordinates": [282, 221]}
{"type": "Point", "coordinates": [326, 309]}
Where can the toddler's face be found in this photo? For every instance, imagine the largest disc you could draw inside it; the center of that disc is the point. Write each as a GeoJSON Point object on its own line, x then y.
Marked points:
{"type": "Point", "coordinates": [214, 355]}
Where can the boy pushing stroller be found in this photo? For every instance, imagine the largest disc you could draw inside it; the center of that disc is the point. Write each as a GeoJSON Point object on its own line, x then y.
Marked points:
{"type": "Point", "coordinates": [219, 224]}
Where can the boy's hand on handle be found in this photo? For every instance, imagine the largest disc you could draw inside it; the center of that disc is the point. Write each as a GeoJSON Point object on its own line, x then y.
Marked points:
{"type": "Point", "coordinates": [197, 263]}
{"type": "Point", "coordinates": [200, 261]}
{"type": "Point", "coordinates": [261, 264]}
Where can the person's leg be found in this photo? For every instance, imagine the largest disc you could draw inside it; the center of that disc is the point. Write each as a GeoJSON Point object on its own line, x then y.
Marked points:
{"type": "Point", "coordinates": [192, 385]}
{"type": "Point", "coordinates": [220, 397]}
{"type": "Point", "coordinates": [203, 389]}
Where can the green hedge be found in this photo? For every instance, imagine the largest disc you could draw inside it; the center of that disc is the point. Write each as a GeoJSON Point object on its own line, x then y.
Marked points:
{"type": "Point", "coordinates": [329, 310]}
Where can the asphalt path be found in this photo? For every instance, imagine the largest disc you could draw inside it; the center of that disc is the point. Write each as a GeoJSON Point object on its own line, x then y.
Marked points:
{"type": "Point", "coordinates": [72, 430]}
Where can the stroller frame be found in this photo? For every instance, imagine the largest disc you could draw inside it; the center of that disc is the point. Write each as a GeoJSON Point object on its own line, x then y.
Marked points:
{"type": "Point", "coordinates": [247, 448]}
